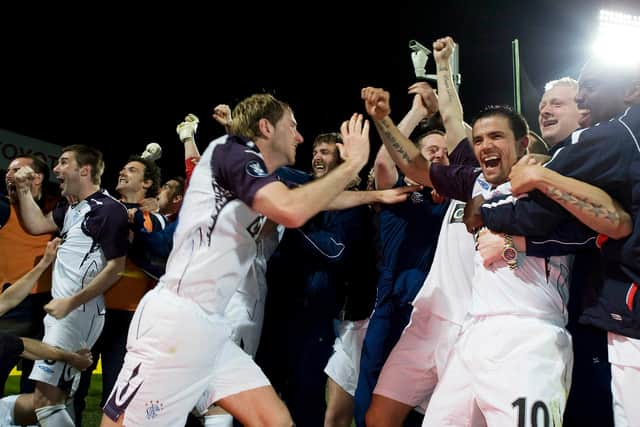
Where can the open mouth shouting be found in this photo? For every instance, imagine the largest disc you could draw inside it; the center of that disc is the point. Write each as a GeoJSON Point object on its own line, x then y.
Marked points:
{"type": "Point", "coordinates": [491, 165]}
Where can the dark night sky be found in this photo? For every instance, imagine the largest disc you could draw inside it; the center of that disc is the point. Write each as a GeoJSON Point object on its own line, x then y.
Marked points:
{"type": "Point", "coordinates": [121, 79]}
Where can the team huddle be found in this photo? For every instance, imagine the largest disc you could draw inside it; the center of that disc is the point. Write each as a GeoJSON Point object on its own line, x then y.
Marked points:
{"type": "Point", "coordinates": [470, 300]}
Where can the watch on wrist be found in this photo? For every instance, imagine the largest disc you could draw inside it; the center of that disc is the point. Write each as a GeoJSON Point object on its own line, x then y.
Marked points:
{"type": "Point", "coordinates": [509, 252]}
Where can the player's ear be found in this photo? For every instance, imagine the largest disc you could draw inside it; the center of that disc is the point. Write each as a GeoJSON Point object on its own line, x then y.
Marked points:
{"type": "Point", "coordinates": [266, 128]}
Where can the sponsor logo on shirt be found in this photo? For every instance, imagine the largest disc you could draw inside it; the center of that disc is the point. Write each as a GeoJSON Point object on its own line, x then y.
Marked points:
{"type": "Point", "coordinates": [254, 168]}
{"type": "Point", "coordinates": [457, 215]}
{"type": "Point", "coordinates": [47, 369]}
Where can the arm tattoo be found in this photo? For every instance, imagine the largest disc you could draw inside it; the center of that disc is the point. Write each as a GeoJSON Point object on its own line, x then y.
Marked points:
{"type": "Point", "coordinates": [447, 84]}
{"type": "Point", "coordinates": [397, 147]}
{"type": "Point", "coordinates": [584, 204]}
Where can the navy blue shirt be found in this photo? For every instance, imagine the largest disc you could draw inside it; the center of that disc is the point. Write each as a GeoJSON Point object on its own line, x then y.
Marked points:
{"type": "Point", "coordinates": [328, 260]}
{"type": "Point", "coordinates": [607, 156]}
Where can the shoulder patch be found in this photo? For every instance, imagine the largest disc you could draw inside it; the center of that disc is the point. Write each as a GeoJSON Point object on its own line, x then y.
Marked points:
{"type": "Point", "coordinates": [254, 168]}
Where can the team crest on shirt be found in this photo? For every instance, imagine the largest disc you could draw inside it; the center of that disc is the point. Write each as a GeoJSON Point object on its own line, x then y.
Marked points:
{"type": "Point", "coordinates": [254, 168]}
{"type": "Point", "coordinates": [153, 408]}
{"type": "Point", "coordinates": [417, 197]}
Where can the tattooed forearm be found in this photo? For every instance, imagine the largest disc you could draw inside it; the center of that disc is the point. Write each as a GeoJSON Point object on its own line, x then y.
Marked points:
{"type": "Point", "coordinates": [385, 132]}
{"type": "Point", "coordinates": [597, 210]}
{"type": "Point", "coordinates": [449, 90]}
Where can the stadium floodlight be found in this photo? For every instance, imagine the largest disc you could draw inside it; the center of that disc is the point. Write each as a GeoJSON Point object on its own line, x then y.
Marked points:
{"type": "Point", "coordinates": [617, 40]}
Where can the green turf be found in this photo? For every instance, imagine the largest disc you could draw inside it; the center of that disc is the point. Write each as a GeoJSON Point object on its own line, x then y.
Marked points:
{"type": "Point", "coordinates": [92, 413]}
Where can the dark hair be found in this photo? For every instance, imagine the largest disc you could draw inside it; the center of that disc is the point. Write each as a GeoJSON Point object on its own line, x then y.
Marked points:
{"type": "Point", "coordinates": [517, 123]}
{"type": "Point", "coordinates": [179, 189]}
{"type": "Point", "coordinates": [151, 173]}
{"type": "Point", "coordinates": [327, 138]}
{"type": "Point", "coordinates": [86, 155]}
{"type": "Point", "coordinates": [431, 125]}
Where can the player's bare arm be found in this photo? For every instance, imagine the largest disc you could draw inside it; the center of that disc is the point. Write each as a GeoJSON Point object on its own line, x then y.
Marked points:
{"type": "Point", "coordinates": [589, 204]}
{"type": "Point", "coordinates": [349, 199]}
{"type": "Point", "coordinates": [449, 101]}
{"type": "Point", "coordinates": [293, 207]}
{"type": "Point", "coordinates": [30, 215]}
{"type": "Point", "coordinates": [425, 104]}
{"type": "Point", "coordinates": [403, 152]}
{"type": "Point", "coordinates": [37, 350]}
{"type": "Point", "coordinates": [60, 307]}
{"type": "Point", "coordinates": [490, 245]}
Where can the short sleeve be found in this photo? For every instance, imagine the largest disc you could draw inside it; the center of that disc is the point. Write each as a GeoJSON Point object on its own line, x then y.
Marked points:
{"type": "Point", "coordinates": [241, 170]}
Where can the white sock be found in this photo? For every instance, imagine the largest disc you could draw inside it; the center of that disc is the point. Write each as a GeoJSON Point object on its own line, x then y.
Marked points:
{"type": "Point", "coordinates": [54, 416]}
{"type": "Point", "coordinates": [7, 405]}
{"type": "Point", "coordinates": [218, 420]}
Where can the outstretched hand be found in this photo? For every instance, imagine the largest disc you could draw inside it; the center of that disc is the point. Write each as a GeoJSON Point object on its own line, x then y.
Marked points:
{"type": "Point", "coordinates": [397, 194]}
{"type": "Point", "coordinates": [51, 250]}
{"type": "Point", "coordinates": [355, 140]}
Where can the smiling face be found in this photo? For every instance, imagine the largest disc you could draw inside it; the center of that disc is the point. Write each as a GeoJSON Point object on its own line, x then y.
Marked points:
{"type": "Point", "coordinates": [602, 92]}
{"type": "Point", "coordinates": [558, 113]}
{"type": "Point", "coordinates": [131, 178]}
{"type": "Point", "coordinates": [434, 148]}
{"type": "Point", "coordinates": [325, 158]}
{"type": "Point", "coordinates": [495, 147]}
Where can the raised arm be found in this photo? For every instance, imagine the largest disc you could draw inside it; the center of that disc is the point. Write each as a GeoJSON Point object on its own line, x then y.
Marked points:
{"type": "Point", "coordinates": [589, 204]}
{"type": "Point", "coordinates": [292, 208]}
{"type": "Point", "coordinates": [403, 152]}
{"type": "Point", "coordinates": [222, 115]}
{"type": "Point", "coordinates": [425, 104]}
{"type": "Point", "coordinates": [449, 101]}
{"type": "Point", "coordinates": [30, 215]}
{"type": "Point", "coordinates": [186, 132]}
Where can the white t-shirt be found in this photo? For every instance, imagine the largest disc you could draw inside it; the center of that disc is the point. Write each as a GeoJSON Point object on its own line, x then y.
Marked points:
{"type": "Point", "coordinates": [446, 291]}
{"type": "Point", "coordinates": [93, 231]}
{"type": "Point", "coordinates": [539, 287]}
{"type": "Point", "coordinates": [215, 241]}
